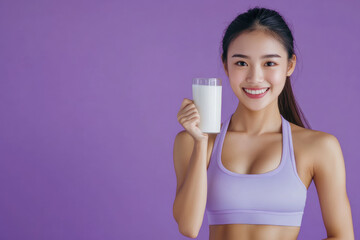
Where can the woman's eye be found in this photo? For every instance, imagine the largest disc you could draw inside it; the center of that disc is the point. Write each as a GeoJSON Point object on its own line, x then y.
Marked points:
{"type": "Point", "coordinates": [271, 62]}
{"type": "Point", "coordinates": [239, 63]}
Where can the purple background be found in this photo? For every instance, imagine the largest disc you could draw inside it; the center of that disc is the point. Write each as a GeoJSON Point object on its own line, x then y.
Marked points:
{"type": "Point", "coordinates": [89, 92]}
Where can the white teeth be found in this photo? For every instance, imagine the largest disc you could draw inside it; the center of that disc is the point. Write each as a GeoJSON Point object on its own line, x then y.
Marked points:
{"type": "Point", "coordinates": [256, 91]}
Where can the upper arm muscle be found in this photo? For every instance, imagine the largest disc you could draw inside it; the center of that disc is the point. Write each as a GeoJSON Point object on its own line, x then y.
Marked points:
{"type": "Point", "coordinates": [330, 182]}
{"type": "Point", "coordinates": [183, 147]}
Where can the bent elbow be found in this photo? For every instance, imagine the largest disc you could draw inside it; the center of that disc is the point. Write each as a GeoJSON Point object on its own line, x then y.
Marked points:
{"type": "Point", "coordinates": [188, 233]}
{"type": "Point", "coordinates": [185, 228]}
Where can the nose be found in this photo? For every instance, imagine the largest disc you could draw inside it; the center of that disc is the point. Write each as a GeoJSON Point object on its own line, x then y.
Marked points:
{"type": "Point", "coordinates": [255, 74]}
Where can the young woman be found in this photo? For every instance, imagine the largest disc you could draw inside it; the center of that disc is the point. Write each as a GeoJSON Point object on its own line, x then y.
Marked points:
{"type": "Point", "coordinates": [252, 177]}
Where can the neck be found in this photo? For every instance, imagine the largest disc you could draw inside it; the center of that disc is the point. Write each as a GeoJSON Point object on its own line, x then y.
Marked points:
{"type": "Point", "coordinates": [256, 122]}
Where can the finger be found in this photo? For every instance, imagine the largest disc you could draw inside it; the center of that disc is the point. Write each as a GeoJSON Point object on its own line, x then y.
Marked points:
{"type": "Point", "coordinates": [187, 117]}
{"type": "Point", "coordinates": [189, 106]}
{"type": "Point", "coordinates": [192, 115]}
{"type": "Point", "coordinates": [187, 110]}
{"type": "Point", "coordinates": [190, 111]}
{"type": "Point", "coordinates": [191, 118]}
{"type": "Point", "coordinates": [185, 102]}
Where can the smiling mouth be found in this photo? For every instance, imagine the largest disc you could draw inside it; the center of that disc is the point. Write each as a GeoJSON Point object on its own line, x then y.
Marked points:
{"type": "Point", "coordinates": [256, 92]}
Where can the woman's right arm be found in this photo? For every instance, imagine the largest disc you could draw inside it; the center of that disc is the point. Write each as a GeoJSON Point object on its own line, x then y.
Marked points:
{"type": "Point", "coordinates": [190, 163]}
{"type": "Point", "coordinates": [191, 191]}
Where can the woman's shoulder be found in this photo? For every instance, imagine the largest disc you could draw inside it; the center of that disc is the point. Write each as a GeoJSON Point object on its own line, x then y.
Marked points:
{"type": "Point", "coordinates": [309, 136]}
{"type": "Point", "coordinates": [312, 144]}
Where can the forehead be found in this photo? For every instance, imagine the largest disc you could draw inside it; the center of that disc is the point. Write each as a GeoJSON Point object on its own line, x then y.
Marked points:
{"type": "Point", "coordinates": [256, 44]}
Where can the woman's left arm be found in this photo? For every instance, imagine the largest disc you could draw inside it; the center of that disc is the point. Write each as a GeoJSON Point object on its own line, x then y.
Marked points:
{"type": "Point", "coordinates": [330, 182]}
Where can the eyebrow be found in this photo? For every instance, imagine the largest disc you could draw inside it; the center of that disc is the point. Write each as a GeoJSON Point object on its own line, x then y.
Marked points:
{"type": "Point", "coordinates": [264, 56]}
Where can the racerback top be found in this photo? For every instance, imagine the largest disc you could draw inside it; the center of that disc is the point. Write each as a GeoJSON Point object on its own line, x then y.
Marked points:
{"type": "Point", "coordinates": [276, 197]}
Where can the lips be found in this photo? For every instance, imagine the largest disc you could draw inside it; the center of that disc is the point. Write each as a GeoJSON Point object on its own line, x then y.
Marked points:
{"type": "Point", "coordinates": [260, 95]}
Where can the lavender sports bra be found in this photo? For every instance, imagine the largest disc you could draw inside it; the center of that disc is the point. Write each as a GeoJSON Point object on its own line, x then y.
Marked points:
{"type": "Point", "coordinates": [273, 198]}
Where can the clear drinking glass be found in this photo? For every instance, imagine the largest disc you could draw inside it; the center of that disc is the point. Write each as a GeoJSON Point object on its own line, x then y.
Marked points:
{"type": "Point", "coordinates": [207, 99]}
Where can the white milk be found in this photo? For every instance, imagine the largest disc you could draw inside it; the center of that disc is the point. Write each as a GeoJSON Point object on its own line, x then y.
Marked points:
{"type": "Point", "coordinates": [207, 100]}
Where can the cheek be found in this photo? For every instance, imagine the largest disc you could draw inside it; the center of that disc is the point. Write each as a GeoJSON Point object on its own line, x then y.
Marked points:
{"type": "Point", "coordinates": [275, 77]}
{"type": "Point", "coordinates": [236, 76]}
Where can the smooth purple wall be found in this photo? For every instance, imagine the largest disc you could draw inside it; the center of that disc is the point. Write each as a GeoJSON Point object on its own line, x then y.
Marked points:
{"type": "Point", "coordinates": [89, 92]}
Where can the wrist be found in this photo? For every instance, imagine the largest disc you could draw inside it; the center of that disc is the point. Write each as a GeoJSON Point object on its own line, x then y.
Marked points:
{"type": "Point", "coordinates": [202, 141]}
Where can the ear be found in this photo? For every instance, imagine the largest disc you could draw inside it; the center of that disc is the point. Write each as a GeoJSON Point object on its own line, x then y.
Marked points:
{"type": "Point", "coordinates": [291, 65]}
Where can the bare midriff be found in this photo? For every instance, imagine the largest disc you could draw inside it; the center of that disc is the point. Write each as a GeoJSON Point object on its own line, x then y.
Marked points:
{"type": "Point", "coordinates": [252, 232]}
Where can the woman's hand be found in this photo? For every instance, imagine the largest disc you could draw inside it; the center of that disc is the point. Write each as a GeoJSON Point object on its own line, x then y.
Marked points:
{"type": "Point", "coordinates": [189, 117]}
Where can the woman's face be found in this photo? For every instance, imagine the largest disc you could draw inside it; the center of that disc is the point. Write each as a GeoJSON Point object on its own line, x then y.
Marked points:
{"type": "Point", "coordinates": [249, 67]}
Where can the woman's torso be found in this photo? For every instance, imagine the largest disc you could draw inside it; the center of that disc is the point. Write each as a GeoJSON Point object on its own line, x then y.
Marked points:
{"type": "Point", "coordinates": [261, 157]}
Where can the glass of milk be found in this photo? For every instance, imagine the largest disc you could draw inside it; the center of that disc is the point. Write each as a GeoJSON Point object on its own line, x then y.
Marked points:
{"type": "Point", "coordinates": [207, 99]}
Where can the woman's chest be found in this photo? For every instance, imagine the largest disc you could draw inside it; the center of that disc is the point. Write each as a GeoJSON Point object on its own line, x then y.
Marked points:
{"type": "Point", "coordinates": [257, 155]}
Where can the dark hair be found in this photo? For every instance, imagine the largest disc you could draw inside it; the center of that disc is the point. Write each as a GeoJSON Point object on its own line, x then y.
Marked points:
{"type": "Point", "coordinates": [271, 22]}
